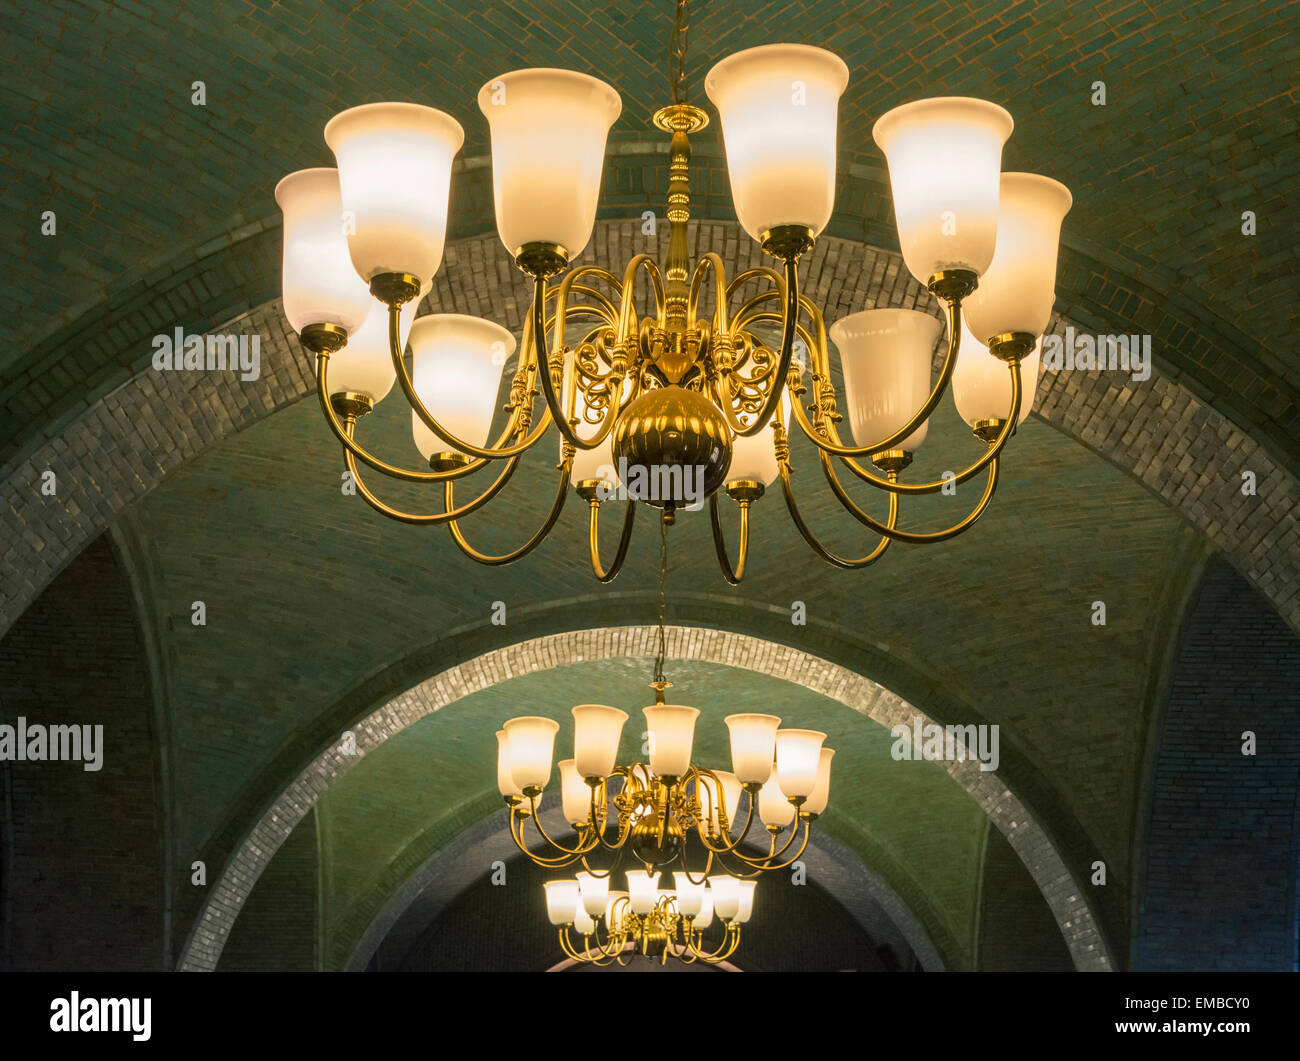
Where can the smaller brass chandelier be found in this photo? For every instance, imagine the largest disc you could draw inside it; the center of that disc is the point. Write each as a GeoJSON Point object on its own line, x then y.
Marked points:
{"type": "Point", "coordinates": [662, 808]}
{"type": "Point", "coordinates": [653, 922]}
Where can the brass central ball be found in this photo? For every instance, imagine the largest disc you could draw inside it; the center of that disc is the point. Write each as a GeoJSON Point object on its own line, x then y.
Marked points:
{"type": "Point", "coordinates": [672, 447]}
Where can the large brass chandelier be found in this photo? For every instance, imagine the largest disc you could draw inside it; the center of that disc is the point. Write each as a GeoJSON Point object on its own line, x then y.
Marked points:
{"type": "Point", "coordinates": [661, 382]}
{"type": "Point", "coordinates": [663, 809]}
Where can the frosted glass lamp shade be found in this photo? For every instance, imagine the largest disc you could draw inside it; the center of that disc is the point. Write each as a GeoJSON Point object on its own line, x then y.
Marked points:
{"type": "Point", "coordinates": [753, 457]}
{"type": "Point", "coordinates": [981, 383]}
{"type": "Point", "coordinates": [705, 917]}
{"type": "Point", "coordinates": [779, 106]}
{"type": "Point", "coordinates": [945, 158]}
{"type": "Point", "coordinates": [395, 171]}
{"type": "Point", "coordinates": [821, 792]}
{"type": "Point", "coordinates": [318, 282]}
{"type": "Point", "coordinates": [548, 130]}
{"type": "Point", "coordinates": [505, 777]}
{"type": "Point", "coordinates": [457, 374]}
{"type": "Point", "coordinates": [582, 922]}
{"type": "Point", "coordinates": [365, 365]}
{"type": "Point", "coordinates": [595, 463]}
{"type": "Point", "coordinates": [710, 802]}
{"type": "Point", "coordinates": [798, 754]}
{"type": "Point", "coordinates": [886, 355]}
{"type": "Point", "coordinates": [753, 747]}
{"type": "Point", "coordinates": [773, 807]}
{"type": "Point", "coordinates": [642, 890]}
{"type": "Point", "coordinates": [1017, 290]}
{"type": "Point", "coordinates": [672, 734]}
{"type": "Point", "coordinates": [690, 896]}
{"type": "Point", "coordinates": [745, 893]}
{"type": "Point", "coordinates": [532, 744]}
{"type": "Point", "coordinates": [596, 732]}
{"type": "Point", "coordinates": [575, 795]}
{"type": "Point", "coordinates": [726, 896]}
{"type": "Point", "coordinates": [594, 892]}
{"type": "Point", "coordinates": [561, 901]}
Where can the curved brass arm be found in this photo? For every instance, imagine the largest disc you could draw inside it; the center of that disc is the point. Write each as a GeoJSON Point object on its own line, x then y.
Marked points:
{"type": "Point", "coordinates": [557, 506]}
{"type": "Point", "coordinates": [730, 940]}
{"type": "Point", "coordinates": [806, 532]}
{"type": "Point", "coordinates": [912, 537]}
{"type": "Point", "coordinates": [593, 539]}
{"type": "Point", "coordinates": [585, 844]}
{"type": "Point", "coordinates": [569, 284]}
{"type": "Point", "coordinates": [732, 575]}
{"type": "Point", "coordinates": [991, 453]}
{"type": "Point", "coordinates": [764, 865]}
{"type": "Point", "coordinates": [789, 323]}
{"type": "Point", "coordinates": [558, 862]}
{"type": "Point", "coordinates": [537, 335]}
{"type": "Point", "coordinates": [392, 471]}
{"type": "Point", "coordinates": [830, 444]}
{"type": "Point", "coordinates": [427, 418]}
{"type": "Point", "coordinates": [424, 519]}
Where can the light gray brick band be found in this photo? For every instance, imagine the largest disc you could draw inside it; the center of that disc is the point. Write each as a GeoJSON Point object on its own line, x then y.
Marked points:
{"type": "Point", "coordinates": [1062, 892]}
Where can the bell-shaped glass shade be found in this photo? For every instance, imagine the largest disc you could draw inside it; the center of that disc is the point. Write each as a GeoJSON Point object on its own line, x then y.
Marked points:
{"type": "Point", "coordinates": [821, 793]}
{"type": "Point", "coordinates": [395, 171]}
{"type": "Point", "coordinates": [595, 463]}
{"type": "Point", "coordinates": [457, 374]}
{"type": "Point", "coordinates": [753, 747]}
{"type": "Point", "coordinates": [548, 151]}
{"type": "Point", "coordinates": [981, 383]}
{"type": "Point", "coordinates": [561, 901]}
{"type": "Point", "coordinates": [945, 158]}
{"type": "Point", "coordinates": [616, 908]}
{"type": "Point", "coordinates": [365, 365]}
{"type": "Point", "coordinates": [705, 917]}
{"type": "Point", "coordinates": [1017, 290]}
{"type": "Point", "coordinates": [745, 893]}
{"type": "Point", "coordinates": [773, 807]}
{"type": "Point", "coordinates": [690, 896]}
{"type": "Point", "coordinates": [779, 106]}
{"type": "Point", "coordinates": [505, 776]}
{"type": "Point", "coordinates": [753, 457]}
{"type": "Point", "coordinates": [726, 896]}
{"type": "Point", "coordinates": [798, 754]}
{"type": "Point", "coordinates": [642, 890]}
{"type": "Point", "coordinates": [532, 744]}
{"type": "Point", "coordinates": [317, 279]}
{"type": "Point", "coordinates": [594, 892]}
{"type": "Point", "coordinates": [672, 734]}
{"type": "Point", "coordinates": [712, 803]}
{"type": "Point", "coordinates": [596, 733]}
{"type": "Point", "coordinates": [886, 356]}
{"type": "Point", "coordinates": [583, 922]}
{"type": "Point", "coordinates": [575, 795]}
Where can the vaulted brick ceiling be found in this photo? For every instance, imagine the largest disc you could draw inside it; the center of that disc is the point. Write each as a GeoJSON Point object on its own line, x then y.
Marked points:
{"type": "Point", "coordinates": [154, 194]}
{"type": "Point", "coordinates": [166, 218]}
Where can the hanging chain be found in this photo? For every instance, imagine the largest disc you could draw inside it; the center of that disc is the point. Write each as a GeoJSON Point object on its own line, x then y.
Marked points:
{"type": "Point", "coordinates": [663, 605]}
{"type": "Point", "coordinates": [677, 51]}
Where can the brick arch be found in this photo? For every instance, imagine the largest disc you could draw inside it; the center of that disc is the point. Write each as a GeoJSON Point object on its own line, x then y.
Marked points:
{"type": "Point", "coordinates": [126, 442]}
{"type": "Point", "coordinates": [1062, 893]}
{"type": "Point", "coordinates": [864, 895]}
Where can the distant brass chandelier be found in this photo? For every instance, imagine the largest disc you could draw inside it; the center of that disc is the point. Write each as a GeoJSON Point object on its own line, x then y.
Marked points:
{"type": "Point", "coordinates": [648, 920]}
{"type": "Point", "coordinates": [660, 805]}
{"type": "Point", "coordinates": [670, 407]}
